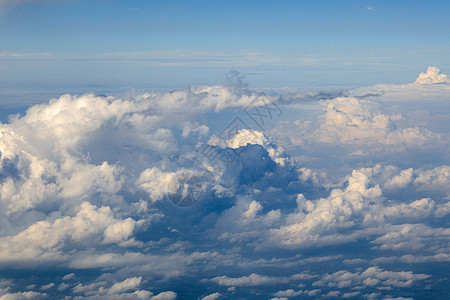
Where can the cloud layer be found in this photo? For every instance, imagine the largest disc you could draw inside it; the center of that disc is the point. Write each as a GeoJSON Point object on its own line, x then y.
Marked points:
{"type": "Point", "coordinates": [222, 192]}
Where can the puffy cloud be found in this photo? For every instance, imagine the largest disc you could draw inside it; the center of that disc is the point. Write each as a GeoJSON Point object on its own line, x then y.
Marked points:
{"type": "Point", "coordinates": [433, 75]}
{"type": "Point", "coordinates": [46, 241]}
{"type": "Point", "coordinates": [47, 286]}
{"type": "Point", "coordinates": [22, 296]}
{"type": "Point", "coordinates": [430, 87]}
{"type": "Point", "coordinates": [249, 136]}
{"type": "Point", "coordinates": [435, 179]}
{"type": "Point", "coordinates": [251, 280]}
{"type": "Point", "coordinates": [127, 284]}
{"type": "Point", "coordinates": [288, 293]}
{"type": "Point", "coordinates": [372, 276]}
{"type": "Point", "coordinates": [240, 139]}
{"type": "Point", "coordinates": [414, 237]}
{"type": "Point", "coordinates": [165, 296]}
{"type": "Point", "coordinates": [313, 219]}
{"type": "Point", "coordinates": [83, 179]}
{"type": "Point", "coordinates": [155, 182]}
{"type": "Point", "coordinates": [359, 210]}
{"type": "Point", "coordinates": [213, 296]}
{"type": "Point", "coordinates": [411, 259]}
{"type": "Point", "coordinates": [350, 120]}
{"type": "Point", "coordinates": [126, 289]}
{"type": "Point", "coordinates": [69, 276]}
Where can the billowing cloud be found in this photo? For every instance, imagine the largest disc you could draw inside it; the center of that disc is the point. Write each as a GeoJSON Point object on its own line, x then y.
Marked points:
{"type": "Point", "coordinates": [197, 193]}
{"type": "Point", "coordinates": [431, 76]}
{"type": "Point", "coordinates": [46, 241]}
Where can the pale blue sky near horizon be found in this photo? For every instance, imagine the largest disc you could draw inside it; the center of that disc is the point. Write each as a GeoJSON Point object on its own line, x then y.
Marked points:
{"type": "Point", "coordinates": [76, 46]}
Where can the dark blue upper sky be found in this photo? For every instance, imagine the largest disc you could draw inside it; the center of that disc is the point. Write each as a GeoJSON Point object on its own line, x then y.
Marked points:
{"type": "Point", "coordinates": [146, 44]}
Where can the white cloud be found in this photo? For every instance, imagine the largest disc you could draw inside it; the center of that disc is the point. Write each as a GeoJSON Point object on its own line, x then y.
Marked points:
{"type": "Point", "coordinates": [126, 289]}
{"type": "Point", "coordinates": [432, 76]}
{"type": "Point", "coordinates": [414, 237]}
{"type": "Point", "coordinates": [127, 284]}
{"type": "Point", "coordinates": [251, 280]}
{"type": "Point", "coordinates": [435, 179]}
{"type": "Point", "coordinates": [249, 136]}
{"type": "Point", "coordinates": [350, 120]}
{"type": "Point", "coordinates": [45, 240]}
{"type": "Point", "coordinates": [83, 179]}
{"type": "Point", "coordinates": [69, 276]}
{"type": "Point", "coordinates": [23, 296]}
{"type": "Point", "coordinates": [165, 296]}
{"type": "Point", "coordinates": [47, 286]}
{"type": "Point", "coordinates": [288, 293]}
{"type": "Point", "coordinates": [373, 276]}
{"type": "Point", "coordinates": [213, 296]}
{"type": "Point", "coordinates": [350, 295]}
{"type": "Point", "coordinates": [310, 224]}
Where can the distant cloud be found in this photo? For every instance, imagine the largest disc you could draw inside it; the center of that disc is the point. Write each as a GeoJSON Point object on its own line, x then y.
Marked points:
{"type": "Point", "coordinates": [373, 276]}
{"type": "Point", "coordinates": [251, 280]}
{"type": "Point", "coordinates": [213, 296]}
{"type": "Point", "coordinates": [432, 76]}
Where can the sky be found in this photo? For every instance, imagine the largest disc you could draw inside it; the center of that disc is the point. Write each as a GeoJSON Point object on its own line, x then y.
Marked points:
{"type": "Point", "coordinates": [119, 45]}
{"type": "Point", "coordinates": [224, 150]}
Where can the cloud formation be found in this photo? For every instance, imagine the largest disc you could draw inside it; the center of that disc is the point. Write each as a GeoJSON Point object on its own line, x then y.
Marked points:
{"type": "Point", "coordinates": [352, 186]}
{"type": "Point", "coordinates": [432, 76]}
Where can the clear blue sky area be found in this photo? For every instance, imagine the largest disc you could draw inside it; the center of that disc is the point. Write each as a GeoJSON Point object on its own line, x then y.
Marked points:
{"type": "Point", "coordinates": [168, 44]}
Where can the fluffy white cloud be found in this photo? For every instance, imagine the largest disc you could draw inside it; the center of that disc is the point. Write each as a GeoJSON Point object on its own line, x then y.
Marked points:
{"type": "Point", "coordinates": [243, 137]}
{"type": "Point", "coordinates": [46, 240]}
{"type": "Point", "coordinates": [251, 280]}
{"type": "Point", "coordinates": [413, 237]}
{"type": "Point", "coordinates": [23, 296]}
{"type": "Point", "coordinates": [350, 120]}
{"type": "Point", "coordinates": [432, 75]}
{"type": "Point", "coordinates": [127, 284]}
{"type": "Point", "coordinates": [83, 179]}
{"type": "Point", "coordinates": [213, 296]}
{"type": "Point", "coordinates": [288, 293]}
{"type": "Point", "coordinates": [126, 289]}
{"type": "Point", "coordinates": [437, 179]}
{"type": "Point", "coordinates": [372, 276]}
{"type": "Point", "coordinates": [313, 219]}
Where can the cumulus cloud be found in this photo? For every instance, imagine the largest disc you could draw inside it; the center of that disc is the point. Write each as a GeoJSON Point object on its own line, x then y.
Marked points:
{"type": "Point", "coordinates": [126, 289]}
{"type": "Point", "coordinates": [127, 284]}
{"type": "Point", "coordinates": [45, 241]}
{"type": "Point", "coordinates": [22, 296]}
{"type": "Point", "coordinates": [288, 293]}
{"type": "Point", "coordinates": [431, 76]}
{"type": "Point", "coordinates": [213, 296]}
{"type": "Point", "coordinates": [373, 276]}
{"type": "Point", "coordinates": [354, 121]}
{"type": "Point", "coordinates": [414, 237]}
{"type": "Point", "coordinates": [244, 137]}
{"type": "Point", "coordinates": [251, 280]}
{"type": "Point", "coordinates": [310, 224]}
{"type": "Point", "coordinates": [85, 180]}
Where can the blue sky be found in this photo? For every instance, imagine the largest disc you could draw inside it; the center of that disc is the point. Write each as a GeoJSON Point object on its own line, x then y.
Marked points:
{"type": "Point", "coordinates": [161, 44]}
